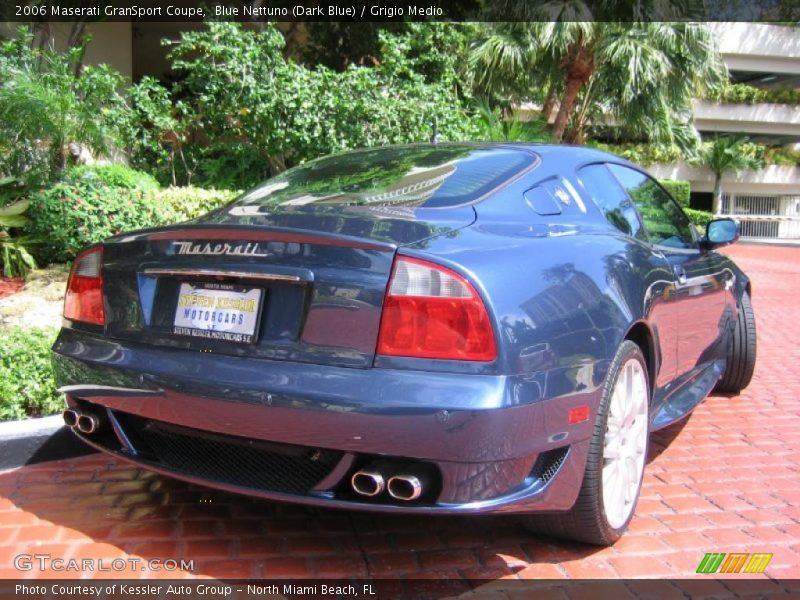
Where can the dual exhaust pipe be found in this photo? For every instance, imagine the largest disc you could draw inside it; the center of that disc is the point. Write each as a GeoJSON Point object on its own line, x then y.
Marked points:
{"type": "Point", "coordinates": [374, 480]}
{"type": "Point", "coordinates": [86, 423]}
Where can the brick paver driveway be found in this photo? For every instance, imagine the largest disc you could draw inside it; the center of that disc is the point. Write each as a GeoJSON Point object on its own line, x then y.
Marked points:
{"type": "Point", "coordinates": [727, 480]}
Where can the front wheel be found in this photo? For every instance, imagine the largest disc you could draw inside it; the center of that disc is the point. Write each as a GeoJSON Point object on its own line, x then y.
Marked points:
{"type": "Point", "coordinates": [617, 455]}
{"type": "Point", "coordinates": [741, 356]}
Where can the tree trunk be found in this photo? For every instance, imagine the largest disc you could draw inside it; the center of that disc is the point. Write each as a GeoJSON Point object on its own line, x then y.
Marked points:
{"type": "Point", "coordinates": [277, 164]}
{"type": "Point", "coordinates": [549, 102]}
{"type": "Point", "coordinates": [77, 39]}
{"type": "Point", "coordinates": [716, 202]}
{"type": "Point", "coordinates": [571, 91]}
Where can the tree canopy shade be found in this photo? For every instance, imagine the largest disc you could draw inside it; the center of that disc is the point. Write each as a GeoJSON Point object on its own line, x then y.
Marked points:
{"type": "Point", "coordinates": [642, 76]}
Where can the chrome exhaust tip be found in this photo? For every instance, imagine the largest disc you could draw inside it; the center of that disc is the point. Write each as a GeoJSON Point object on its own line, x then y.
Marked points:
{"type": "Point", "coordinates": [367, 483]}
{"type": "Point", "coordinates": [405, 487]}
{"type": "Point", "coordinates": [70, 417]}
{"type": "Point", "coordinates": [88, 423]}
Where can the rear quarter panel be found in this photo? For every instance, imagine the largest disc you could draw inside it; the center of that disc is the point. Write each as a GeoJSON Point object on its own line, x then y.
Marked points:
{"type": "Point", "coordinates": [563, 290]}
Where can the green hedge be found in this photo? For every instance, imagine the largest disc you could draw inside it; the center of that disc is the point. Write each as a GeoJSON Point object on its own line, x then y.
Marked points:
{"type": "Point", "coordinates": [680, 190]}
{"type": "Point", "coordinates": [68, 217]}
{"type": "Point", "coordinates": [699, 218]}
{"type": "Point", "coordinates": [743, 93]}
{"type": "Point", "coordinates": [27, 387]}
{"type": "Point", "coordinates": [120, 176]}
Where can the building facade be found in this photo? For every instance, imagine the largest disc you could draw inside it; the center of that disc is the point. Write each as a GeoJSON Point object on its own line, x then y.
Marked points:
{"type": "Point", "coordinates": [766, 201]}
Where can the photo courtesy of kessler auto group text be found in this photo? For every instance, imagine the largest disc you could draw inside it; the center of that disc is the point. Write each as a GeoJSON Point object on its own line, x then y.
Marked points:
{"type": "Point", "coordinates": [480, 299]}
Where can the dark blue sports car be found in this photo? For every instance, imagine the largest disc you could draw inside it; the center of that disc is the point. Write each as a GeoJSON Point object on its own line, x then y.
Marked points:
{"type": "Point", "coordinates": [443, 328]}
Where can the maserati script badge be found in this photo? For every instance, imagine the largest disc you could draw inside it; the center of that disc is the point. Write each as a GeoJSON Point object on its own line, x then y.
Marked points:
{"type": "Point", "coordinates": [216, 249]}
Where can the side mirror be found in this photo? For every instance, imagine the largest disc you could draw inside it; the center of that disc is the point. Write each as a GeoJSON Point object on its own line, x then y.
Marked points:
{"type": "Point", "coordinates": [720, 232]}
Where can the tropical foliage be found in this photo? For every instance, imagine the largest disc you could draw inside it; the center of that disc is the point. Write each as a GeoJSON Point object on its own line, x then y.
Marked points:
{"type": "Point", "coordinates": [639, 76]}
{"type": "Point", "coordinates": [493, 126]}
{"type": "Point", "coordinates": [14, 249]}
{"type": "Point", "coordinates": [725, 154]}
{"type": "Point", "coordinates": [48, 113]}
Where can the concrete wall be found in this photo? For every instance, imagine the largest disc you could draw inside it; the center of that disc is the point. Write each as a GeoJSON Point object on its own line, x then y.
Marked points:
{"type": "Point", "coordinates": [773, 179]}
{"type": "Point", "coordinates": [759, 47]}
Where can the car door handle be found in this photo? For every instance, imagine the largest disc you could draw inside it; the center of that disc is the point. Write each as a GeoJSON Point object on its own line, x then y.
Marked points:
{"type": "Point", "coordinates": [680, 274]}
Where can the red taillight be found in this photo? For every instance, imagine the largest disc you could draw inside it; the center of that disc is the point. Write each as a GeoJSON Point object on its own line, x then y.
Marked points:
{"type": "Point", "coordinates": [432, 312]}
{"type": "Point", "coordinates": [84, 299]}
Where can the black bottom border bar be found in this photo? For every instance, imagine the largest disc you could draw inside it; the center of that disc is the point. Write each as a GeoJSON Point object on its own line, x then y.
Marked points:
{"type": "Point", "coordinates": [400, 589]}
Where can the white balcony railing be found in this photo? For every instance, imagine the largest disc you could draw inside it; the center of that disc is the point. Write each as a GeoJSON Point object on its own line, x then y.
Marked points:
{"type": "Point", "coordinates": [764, 216]}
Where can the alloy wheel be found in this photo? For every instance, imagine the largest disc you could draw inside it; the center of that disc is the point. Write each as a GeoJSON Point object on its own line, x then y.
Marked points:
{"type": "Point", "coordinates": [625, 443]}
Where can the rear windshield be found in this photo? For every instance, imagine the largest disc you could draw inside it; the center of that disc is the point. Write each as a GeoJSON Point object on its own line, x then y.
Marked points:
{"type": "Point", "coordinates": [417, 176]}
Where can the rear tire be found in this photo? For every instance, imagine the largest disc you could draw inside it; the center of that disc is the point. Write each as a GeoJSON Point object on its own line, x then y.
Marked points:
{"type": "Point", "coordinates": [741, 355]}
{"type": "Point", "coordinates": [615, 464]}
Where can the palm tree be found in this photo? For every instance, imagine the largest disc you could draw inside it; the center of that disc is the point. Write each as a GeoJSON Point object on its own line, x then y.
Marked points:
{"type": "Point", "coordinates": [45, 107]}
{"type": "Point", "coordinates": [724, 154]}
{"type": "Point", "coordinates": [495, 128]}
{"type": "Point", "coordinates": [640, 75]}
{"type": "Point", "coordinates": [503, 65]}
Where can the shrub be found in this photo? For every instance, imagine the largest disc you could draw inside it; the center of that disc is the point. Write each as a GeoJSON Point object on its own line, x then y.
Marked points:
{"type": "Point", "coordinates": [743, 93]}
{"type": "Point", "coordinates": [121, 176]}
{"type": "Point", "coordinates": [786, 157]}
{"type": "Point", "coordinates": [642, 154]}
{"type": "Point", "coordinates": [67, 217]}
{"type": "Point", "coordinates": [185, 203]}
{"type": "Point", "coordinates": [699, 218]}
{"type": "Point", "coordinates": [242, 111]}
{"type": "Point", "coordinates": [680, 190]}
{"type": "Point", "coordinates": [27, 387]}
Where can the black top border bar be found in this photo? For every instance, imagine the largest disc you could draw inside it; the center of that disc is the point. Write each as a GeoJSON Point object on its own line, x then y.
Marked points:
{"type": "Point", "coordinates": [778, 11]}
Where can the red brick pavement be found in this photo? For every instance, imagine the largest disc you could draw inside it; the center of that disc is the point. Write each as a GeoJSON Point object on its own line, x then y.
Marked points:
{"type": "Point", "coordinates": [726, 480]}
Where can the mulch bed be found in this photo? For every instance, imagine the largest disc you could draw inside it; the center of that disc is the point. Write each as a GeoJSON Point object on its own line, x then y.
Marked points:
{"type": "Point", "coordinates": [10, 285]}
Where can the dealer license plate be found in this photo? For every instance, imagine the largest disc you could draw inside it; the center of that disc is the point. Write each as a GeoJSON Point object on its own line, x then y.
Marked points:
{"type": "Point", "coordinates": [218, 311]}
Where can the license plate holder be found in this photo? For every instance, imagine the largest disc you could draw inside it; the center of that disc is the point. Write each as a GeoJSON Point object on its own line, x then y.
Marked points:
{"type": "Point", "coordinates": [218, 311]}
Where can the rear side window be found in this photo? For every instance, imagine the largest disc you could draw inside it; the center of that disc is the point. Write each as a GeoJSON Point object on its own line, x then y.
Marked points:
{"type": "Point", "coordinates": [430, 176]}
{"type": "Point", "coordinates": [611, 199]}
{"type": "Point", "coordinates": [664, 221]}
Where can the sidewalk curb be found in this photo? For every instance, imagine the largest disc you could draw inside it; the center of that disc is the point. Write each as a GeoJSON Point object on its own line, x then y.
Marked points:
{"type": "Point", "coordinates": [31, 441]}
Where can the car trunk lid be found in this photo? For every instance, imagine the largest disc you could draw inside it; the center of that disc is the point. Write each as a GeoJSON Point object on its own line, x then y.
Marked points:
{"type": "Point", "coordinates": [315, 282]}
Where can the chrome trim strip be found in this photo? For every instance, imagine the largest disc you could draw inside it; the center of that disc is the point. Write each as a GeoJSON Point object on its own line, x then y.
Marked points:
{"type": "Point", "coordinates": [217, 273]}
{"type": "Point", "coordinates": [100, 390]}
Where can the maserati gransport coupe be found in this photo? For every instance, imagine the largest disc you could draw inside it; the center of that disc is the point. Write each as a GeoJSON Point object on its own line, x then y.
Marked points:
{"type": "Point", "coordinates": [431, 328]}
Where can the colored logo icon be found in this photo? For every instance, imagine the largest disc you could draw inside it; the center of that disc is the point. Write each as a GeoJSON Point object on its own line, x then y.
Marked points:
{"type": "Point", "coordinates": [714, 562]}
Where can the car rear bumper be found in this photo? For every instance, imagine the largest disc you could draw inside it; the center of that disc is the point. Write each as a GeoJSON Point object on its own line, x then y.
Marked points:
{"type": "Point", "coordinates": [493, 450]}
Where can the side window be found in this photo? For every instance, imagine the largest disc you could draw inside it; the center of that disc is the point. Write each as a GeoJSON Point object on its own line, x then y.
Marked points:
{"type": "Point", "coordinates": [664, 221]}
{"type": "Point", "coordinates": [611, 199]}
